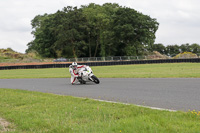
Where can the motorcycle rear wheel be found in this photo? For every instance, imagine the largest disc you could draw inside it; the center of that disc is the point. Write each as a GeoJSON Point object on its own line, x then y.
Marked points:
{"type": "Point", "coordinates": [95, 79]}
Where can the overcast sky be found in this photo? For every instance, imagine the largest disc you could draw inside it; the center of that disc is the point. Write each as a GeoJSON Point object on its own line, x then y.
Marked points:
{"type": "Point", "coordinates": [179, 19]}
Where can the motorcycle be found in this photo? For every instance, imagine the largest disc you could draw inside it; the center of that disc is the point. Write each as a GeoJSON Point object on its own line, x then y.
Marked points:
{"type": "Point", "coordinates": [87, 76]}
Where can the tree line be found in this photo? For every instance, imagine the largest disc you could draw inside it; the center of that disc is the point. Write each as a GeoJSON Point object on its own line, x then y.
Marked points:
{"type": "Point", "coordinates": [93, 31]}
{"type": "Point", "coordinates": [172, 50]}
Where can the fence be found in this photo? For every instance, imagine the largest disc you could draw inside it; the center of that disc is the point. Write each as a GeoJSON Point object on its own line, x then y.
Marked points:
{"type": "Point", "coordinates": [102, 63]}
{"type": "Point", "coordinates": [112, 58]}
{"type": "Point", "coordinates": [89, 59]}
{"type": "Point", "coordinates": [122, 58]}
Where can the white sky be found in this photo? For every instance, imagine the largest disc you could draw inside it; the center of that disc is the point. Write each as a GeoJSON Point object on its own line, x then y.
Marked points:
{"type": "Point", "coordinates": [179, 19]}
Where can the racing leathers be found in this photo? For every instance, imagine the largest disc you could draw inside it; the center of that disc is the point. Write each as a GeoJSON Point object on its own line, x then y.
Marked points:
{"type": "Point", "coordinates": [75, 74]}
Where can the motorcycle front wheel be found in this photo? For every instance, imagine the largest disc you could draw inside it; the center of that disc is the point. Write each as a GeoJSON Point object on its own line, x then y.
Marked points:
{"type": "Point", "coordinates": [95, 79]}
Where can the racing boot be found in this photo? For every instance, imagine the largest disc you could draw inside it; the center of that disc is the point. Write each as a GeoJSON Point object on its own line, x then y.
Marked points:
{"type": "Point", "coordinates": [81, 81]}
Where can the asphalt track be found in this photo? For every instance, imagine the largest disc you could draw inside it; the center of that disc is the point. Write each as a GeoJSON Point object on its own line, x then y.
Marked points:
{"type": "Point", "coordinates": [168, 93]}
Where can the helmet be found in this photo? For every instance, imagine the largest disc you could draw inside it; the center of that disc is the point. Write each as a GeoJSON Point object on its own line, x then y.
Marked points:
{"type": "Point", "coordinates": [74, 65]}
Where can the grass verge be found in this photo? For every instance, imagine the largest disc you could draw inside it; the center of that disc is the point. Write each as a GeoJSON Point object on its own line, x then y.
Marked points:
{"type": "Point", "coordinates": [37, 112]}
{"type": "Point", "coordinates": [173, 70]}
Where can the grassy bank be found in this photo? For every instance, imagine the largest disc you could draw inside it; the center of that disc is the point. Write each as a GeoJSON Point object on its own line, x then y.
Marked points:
{"type": "Point", "coordinates": [176, 70]}
{"type": "Point", "coordinates": [39, 112]}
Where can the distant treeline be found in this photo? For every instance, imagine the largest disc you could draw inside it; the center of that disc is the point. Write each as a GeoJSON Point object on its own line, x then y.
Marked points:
{"type": "Point", "coordinates": [172, 50]}
{"type": "Point", "coordinates": [93, 31]}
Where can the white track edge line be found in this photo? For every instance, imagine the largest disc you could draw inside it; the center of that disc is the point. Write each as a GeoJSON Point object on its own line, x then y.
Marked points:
{"type": "Point", "coordinates": [156, 108]}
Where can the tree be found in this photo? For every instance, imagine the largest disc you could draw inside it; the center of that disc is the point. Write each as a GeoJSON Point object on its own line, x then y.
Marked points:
{"type": "Point", "coordinates": [75, 30]}
{"type": "Point", "coordinates": [133, 29]}
{"type": "Point", "coordinates": [195, 48]}
{"type": "Point", "coordinates": [100, 23]}
{"type": "Point", "coordinates": [160, 48]}
{"type": "Point", "coordinates": [172, 50]}
{"type": "Point", "coordinates": [185, 48]}
{"type": "Point", "coordinates": [61, 33]}
{"type": "Point", "coordinates": [93, 30]}
{"type": "Point", "coordinates": [44, 37]}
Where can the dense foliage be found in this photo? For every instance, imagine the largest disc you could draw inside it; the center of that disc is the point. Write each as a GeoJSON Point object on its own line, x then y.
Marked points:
{"type": "Point", "coordinates": [93, 30]}
{"type": "Point", "coordinates": [173, 50]}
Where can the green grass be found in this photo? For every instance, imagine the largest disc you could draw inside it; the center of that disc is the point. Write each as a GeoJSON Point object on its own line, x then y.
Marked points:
{"type": "Point", "coordinates": [37, 112]}
{"type": "Point", "coordinates": [175, 70]}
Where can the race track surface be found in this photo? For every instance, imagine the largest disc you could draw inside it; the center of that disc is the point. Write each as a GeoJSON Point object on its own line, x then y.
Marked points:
{"type": "Point", "coordinates": [168, 93]}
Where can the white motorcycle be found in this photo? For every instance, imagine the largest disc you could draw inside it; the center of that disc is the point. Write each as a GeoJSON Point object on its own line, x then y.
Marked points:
{"type": "Point", "coordinates": [87, 76]}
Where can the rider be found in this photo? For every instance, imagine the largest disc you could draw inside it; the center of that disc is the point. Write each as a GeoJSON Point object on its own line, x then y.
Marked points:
{"type": "Point", "coordinates": [75, 75]}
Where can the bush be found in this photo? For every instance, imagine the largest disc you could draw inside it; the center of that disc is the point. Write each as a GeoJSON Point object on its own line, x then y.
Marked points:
{"type": "Point", "coordinates": [185, 55]}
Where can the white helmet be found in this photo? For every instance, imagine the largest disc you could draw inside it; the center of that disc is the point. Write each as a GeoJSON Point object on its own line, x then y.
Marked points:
{"type": "Point", "coordinates": [74, 65]}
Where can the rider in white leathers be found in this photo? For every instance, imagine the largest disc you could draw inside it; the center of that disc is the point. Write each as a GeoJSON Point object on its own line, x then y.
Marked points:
{"type": "Point", "coordinates": [75, 75]}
